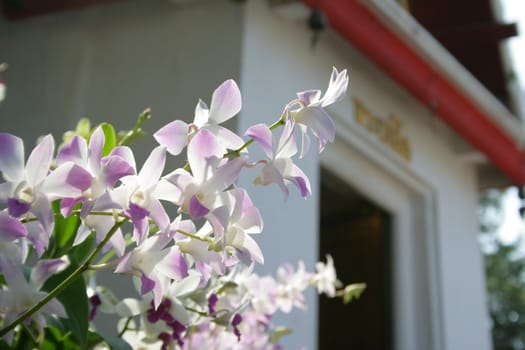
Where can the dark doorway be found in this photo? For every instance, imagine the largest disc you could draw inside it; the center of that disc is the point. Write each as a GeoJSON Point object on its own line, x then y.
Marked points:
{"type": "Point", "coordinates": [357, 233]}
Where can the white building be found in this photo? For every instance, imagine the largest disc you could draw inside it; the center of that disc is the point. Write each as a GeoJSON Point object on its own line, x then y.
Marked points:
{"type": "Point", "coordinates": [394, 198]}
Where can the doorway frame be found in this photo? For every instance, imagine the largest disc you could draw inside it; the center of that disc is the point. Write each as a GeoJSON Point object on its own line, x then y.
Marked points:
{"type": "Point", "coordinates": [379, 174]}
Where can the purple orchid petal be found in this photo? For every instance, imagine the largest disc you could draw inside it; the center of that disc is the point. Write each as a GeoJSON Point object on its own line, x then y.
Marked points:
{"type": "Point", "coordinates": [11, 157]}
{"type": "Point", "coordinates": [173, 136]}
{"type": "Point", "coordinates": [147, 284]}
{"type": "Point", "coordinates": [141, 229]}
{"type": "Point", "coordinates": [226, 174]}
{"type": "Point", "coordinates": [320, 122]}
{"type": "Point", "coordinates": [125, 153]}
{"type": "Point", "coordinates": [46, 268]}
{"type": "Point", "coordinates": [114, 168]}
{"type": "Point", "coordinates": [10, 228]}
{"type": "Point", "coordinates": [174, 265]}
{"type": "Point", "coordinates": [308, 97]}
{"type": "Point", "coordinates": [262, 134]}
{"type": "Point", "coordinates": [96, 146]}
{"type": "Point", "coordinates": [153, 167]}
{"type": "Point", "coordinates": [67, 205]}
{"type": "Point", "coordinates": [38, 237]}
{"type": "Point", "coordinates": [17, 208]}
{"type": "Point", "coordinates": [75, 151]}
{"type": "Point", "coordinates": [39, 160]}
{"type": "Point", "coordinates": [136, 212]}
{"type": "Point", "coordinates": [300, 180]}
{"type": "Point", "coordinates": [237, 319]}
{"type": "Point", "coordinates": [212, 303]}
{"type": "Point", "coordinates": [68, 180]}
{"type": "Point", "coordinates": [225, 102]}
{"type": "Point", "coordinates": [219, 219]}
{"type": "Point", "coordinates": [197, 210]}
{"type": "Point", "coordinates": [202, 148]}
{"type": "Point", "coordinates": [41, 208]}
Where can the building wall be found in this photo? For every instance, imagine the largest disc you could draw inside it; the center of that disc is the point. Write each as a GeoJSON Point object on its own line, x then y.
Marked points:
{"type": "Point", "coordinates": [440, 298]}
{"type": "Point", "coordinates": [112, 61]}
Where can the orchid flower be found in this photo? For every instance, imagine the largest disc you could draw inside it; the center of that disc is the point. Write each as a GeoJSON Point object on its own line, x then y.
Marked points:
{"type": "Point", "coordinates": [20, 294]}
{"type": "Point", "coordinates": [103, 172]}
{"type": "Point", "coordinates": [211, 174]}
{"type": "Point", "coordinates": [326, 279]}
{"type": "Point", "coordinates": [312, 115]}
{"type": "Point", "coordinates": [225, 103]}
{"type": "Point", "coordinates": [22, 190]}
{"type": "Point", "coordinates": [279, 168]}
{"type": "Point", "coordinates": [233, 221]}
{"type": "Point", "coordinates": [150, 260]}
{"type": "Point", "coordinates": [140, 195]}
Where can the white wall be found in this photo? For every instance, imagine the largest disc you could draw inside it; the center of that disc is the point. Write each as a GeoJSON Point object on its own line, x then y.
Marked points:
{"type": "Point", "coordinates": [277, 61]}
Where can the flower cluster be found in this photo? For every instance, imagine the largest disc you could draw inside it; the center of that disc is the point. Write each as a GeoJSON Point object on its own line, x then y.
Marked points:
{"type": "Point", "coordinates": [186, 236]}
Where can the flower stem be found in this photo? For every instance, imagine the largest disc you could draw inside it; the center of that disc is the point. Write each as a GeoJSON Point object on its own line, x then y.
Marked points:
{"type": "Point", "coordinates": [58, 289]}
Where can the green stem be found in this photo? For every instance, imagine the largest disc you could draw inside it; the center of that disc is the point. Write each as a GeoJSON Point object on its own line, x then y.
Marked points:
{"type": "Point", "coordinates": [121, 333]}
{"type": "Point", "coordinates": [191, 235]}
{"type": "Point", "coordinates": [69, 279]}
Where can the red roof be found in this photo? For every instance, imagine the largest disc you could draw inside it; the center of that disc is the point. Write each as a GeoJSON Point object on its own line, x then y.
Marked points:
{"type": "Point", "coordinates": [364, 29]}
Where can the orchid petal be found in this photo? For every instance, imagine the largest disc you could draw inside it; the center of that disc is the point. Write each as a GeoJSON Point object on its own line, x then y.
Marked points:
{"type": "Point", "coordinates": [174, 265]}
{"type": "Point", "coordinates": [225, 102]}
{"type": "Point", "coordinates": [10, 228]}
{"type": "Point", "coordinates": [158, 214]}
{"type": "Point", "coordinates": [125, 153]}
{"type": "Point", "coordinates": [310, 96]}
{"type": "Point", "coordinates": [43, 211]}
{"type": "Point", "coordinates": [75, 151]}
{"type": "Point", "coordinates": [68, 180]}
{"type": "Point", "coordinates": [96, 146]}
{"type": "Point", "coordinates": [262, 134]}
{"type": "Point", "coordinates": [320, 122]}
{"type": "Point", "coordinates": [45, 269]}
{"type": "Point", "coordinates": [299, 179]}
{"type": "Point", "coordinates": [11, 157]}
{"type": "Point", "coordinates": [39, 160]}
{"type": "Point", "coordinates": [114, 168]}
{"type": "Point", "coordinates": [173, 136]}
{"type": "Point", "coordinates": [201, 149]}
{"type": "Point", "coordinates": [153, 167]}
{"type": "Point", "coordinates": [226, 174]}
{"type": "Point", "coordinates": [202, 114]}
{"type": "Point", "coordinates": [336, 87]}
{"type": "Point", "coordinates": [253, 248]}
{"type": "Point", "coordinates": [196, 209]}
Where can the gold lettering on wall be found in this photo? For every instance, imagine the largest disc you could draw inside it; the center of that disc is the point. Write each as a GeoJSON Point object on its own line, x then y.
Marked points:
{"type": "Point", "coordinates": [387, 130]}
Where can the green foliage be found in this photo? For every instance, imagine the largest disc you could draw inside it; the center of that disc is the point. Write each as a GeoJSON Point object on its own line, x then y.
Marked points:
{"type": "Point", "coordinates": [505, 272]}
{"type": "Point", "coordinates": [110, 138]}
{"type": "Point", "coordinates": [75, 301]}
{"type": "Point", "coordinates": [353, 291]}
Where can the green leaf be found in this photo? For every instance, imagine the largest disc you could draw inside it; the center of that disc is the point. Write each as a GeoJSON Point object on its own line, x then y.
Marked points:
{"type": "Point", "coordinates": [80, 252]}
{"type": "Point", "coordinates": [279, 333]}
{"type": "Point", "coordinates": [110, 138]}
{"type": "Point", "coordinates": [75, 301]}
{"type": "Point", "coordinates": [117, 343]}
{"type": "Point", "coordinates": [353, 291]}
